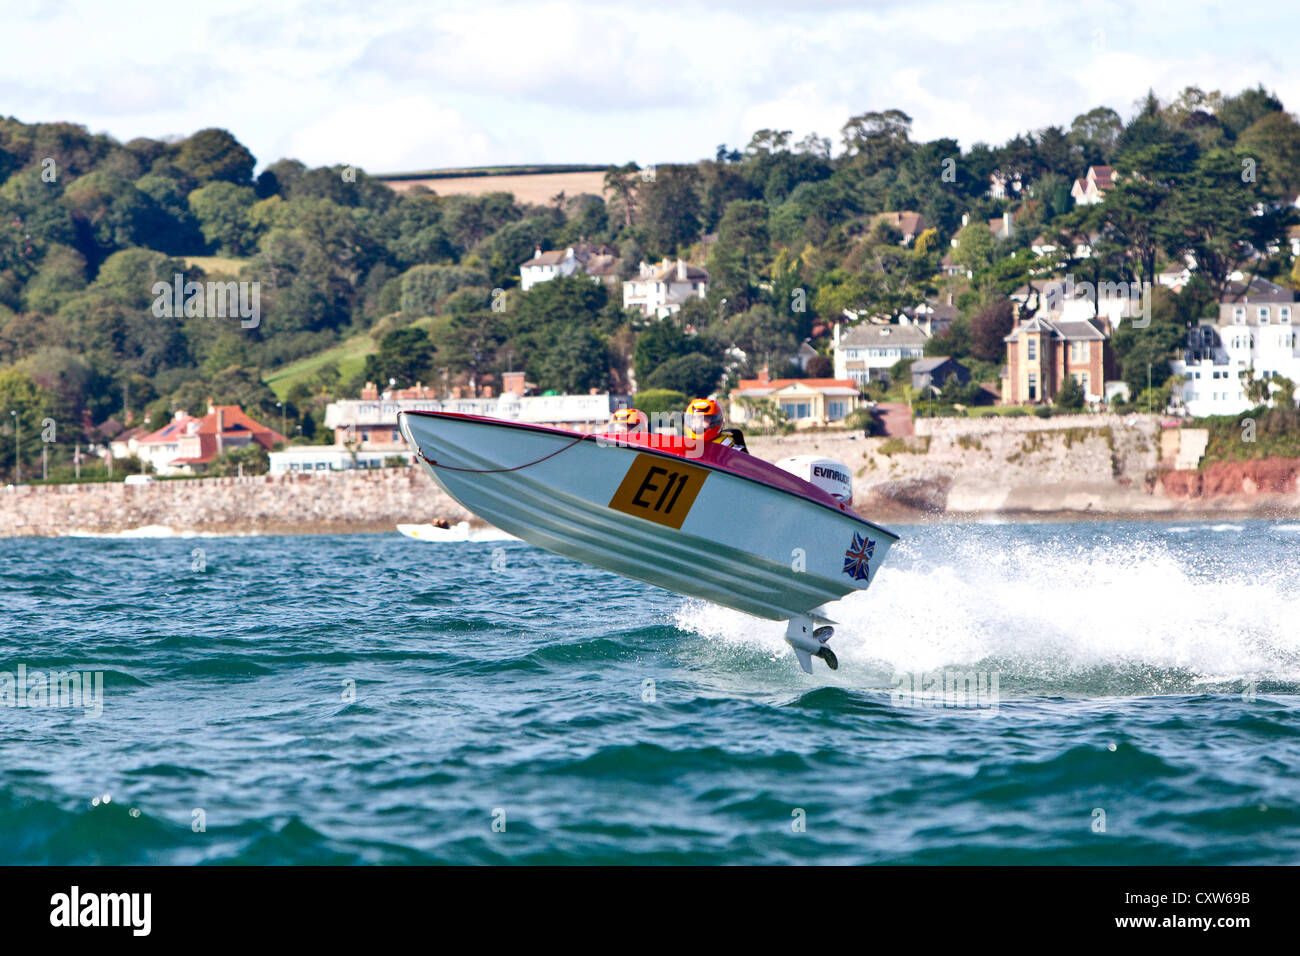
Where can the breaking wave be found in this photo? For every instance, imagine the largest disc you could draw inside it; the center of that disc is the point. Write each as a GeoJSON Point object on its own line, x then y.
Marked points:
{"type": "Point", "coordinates": [1064, 612]}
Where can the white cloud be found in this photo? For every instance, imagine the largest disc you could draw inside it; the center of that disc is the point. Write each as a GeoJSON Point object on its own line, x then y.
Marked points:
{"type": "Point", "coordinates": [410, 133]}
{"type": "Point", "coordinates": [407, 83]}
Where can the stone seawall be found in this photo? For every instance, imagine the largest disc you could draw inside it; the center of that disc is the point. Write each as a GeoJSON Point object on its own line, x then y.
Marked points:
{"type": "Point", "coordinates": [1082, 465]}
{"type": "Point", "coordinates": [1076, 466]}
{"type": "Point", "coordinates": [345, 501]}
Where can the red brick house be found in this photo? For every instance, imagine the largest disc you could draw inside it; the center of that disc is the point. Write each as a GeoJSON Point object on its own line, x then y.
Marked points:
{"type": "Point", "coordinates": [187, 445]}
{"type": "Point", "coordinates": [1042, 351]}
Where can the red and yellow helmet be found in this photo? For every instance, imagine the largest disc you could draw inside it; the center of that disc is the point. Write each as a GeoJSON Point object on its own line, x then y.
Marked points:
{"type": "Point", "coordinates": [626, 420]}
{"type": "Point", "coordinates": [703, 419]}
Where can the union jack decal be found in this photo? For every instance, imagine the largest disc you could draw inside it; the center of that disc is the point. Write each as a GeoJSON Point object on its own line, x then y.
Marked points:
{"type": "Point", "coordinates": [857, 560]}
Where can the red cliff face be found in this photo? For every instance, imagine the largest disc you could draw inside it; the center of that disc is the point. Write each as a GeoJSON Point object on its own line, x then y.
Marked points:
{"type": "Point", "coordinates": [1261, 476]}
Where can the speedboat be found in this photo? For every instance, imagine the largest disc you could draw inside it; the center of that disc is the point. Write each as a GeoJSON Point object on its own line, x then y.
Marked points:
{"type": "Point", "coordinates": [453, 534]}
{"type": "Point", "coordinates": [697, 518]}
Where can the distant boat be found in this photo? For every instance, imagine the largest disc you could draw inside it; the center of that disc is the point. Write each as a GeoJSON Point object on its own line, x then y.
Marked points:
{"type": "Point", "coordinates": [456, 533]}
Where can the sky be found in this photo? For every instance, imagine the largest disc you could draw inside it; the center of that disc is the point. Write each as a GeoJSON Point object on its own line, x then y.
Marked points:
{"type": "Point", "coordinates": [400, 86]}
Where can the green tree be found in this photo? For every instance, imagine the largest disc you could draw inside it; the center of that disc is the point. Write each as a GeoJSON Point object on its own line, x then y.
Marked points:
{"type": "Point", "coordinates": [988, 327]}
{"type": "Point", "coordinates": [405, 356]}
{"type": "Point", "coordinates": [1070, 396]}
{"type": "Point", "coordinates": [1211, 216]}
{"type": "Point", "coordinates": [18, 393]}
{"type": "Point", "coordinates": [213, 154]}
{"type": "Point", "coordinates": [1274, 140]}
{"type": "Point", "coordinates": [621, 187]}
{"type": "Point", "coordinates": [1238, 113]}
{"type": "Point", "coordinates": [574, 363]}
{"type": "Point", "coordinates": [877, 140]}
{"type": "Point", "coordinates": [695, 374]}
{"type": "Point", "coordinates": [671, 208]}
{"type": "Point", "coordinates": [740, 252]}
{"type": "Point", "coordinates": [252, 459]}
{"type": "Point", "coordinates": [223, 214]}
{"type": "Point", "coordinates": [659, 344]}
{"type": "Point", "coordinates": [423, 287]}
{"type": "Point", "coordinates": [976, 247]}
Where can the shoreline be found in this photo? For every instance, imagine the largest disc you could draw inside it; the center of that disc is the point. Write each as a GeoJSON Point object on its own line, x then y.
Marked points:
{"type": "Point", "coordinates": [1086, 468]}
{"type": "Point", "coordinates": [245, 529]}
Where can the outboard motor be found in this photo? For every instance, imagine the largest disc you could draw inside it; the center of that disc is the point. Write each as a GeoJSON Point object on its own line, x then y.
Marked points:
{"type": "Point", "coordinates": [831, 476]}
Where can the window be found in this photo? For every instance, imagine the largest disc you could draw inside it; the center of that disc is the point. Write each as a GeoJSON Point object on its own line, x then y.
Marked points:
{"type": "Point", "coordinates": [1033, 387]}
{"type": "Point", "coordinates": [1239, 315]}
{"type": "Point", "coordinates": [1263, 315]}
{"type": "Point", "coordinates": [795, 410]}
{"type": "Point", "coordinates": [1284, 314]}
{"type": "Point", "coordinates": [1033, 349]}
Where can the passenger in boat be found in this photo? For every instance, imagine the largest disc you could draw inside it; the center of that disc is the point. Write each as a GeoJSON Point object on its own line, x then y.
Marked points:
{"type": "Point", "coordinates": [627, 421]}
{"type": "Point", "coordinates": [703, 420]}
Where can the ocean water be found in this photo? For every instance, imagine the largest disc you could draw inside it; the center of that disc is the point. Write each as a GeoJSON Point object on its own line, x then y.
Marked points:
{"type": "Point", "coordinates": [1129, 695]}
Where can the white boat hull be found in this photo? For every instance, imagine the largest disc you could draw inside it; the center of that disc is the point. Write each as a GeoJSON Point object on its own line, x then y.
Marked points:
{"type": "Point", "coordinates": [738, 542]}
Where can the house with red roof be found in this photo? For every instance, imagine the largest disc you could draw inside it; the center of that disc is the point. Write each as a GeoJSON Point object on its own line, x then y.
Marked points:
{"type": "Point", "coordinates": [806, 402]}
{"type": "Point", "coordinates": [187, 445]}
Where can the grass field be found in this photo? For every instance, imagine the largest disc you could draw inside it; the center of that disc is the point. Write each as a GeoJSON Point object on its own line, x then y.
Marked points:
{"type": "Point", "coordinates": [350, 356]}
{"type": "Point", "coordinates": [536, 188]}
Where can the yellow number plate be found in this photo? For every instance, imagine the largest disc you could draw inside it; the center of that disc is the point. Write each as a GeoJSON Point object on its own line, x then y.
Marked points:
{"type": "Point", "coordinates": [659, 489]}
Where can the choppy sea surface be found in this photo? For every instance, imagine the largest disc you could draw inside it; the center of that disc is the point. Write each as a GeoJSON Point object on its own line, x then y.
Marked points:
{"type": "Point", "coordinates": [1115, 693]}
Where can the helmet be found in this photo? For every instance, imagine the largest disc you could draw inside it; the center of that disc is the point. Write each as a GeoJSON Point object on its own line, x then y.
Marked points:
{"type": "Point", "coordinates": [627, 420]}
{"type": "Point", "coordinates": [703, 419]}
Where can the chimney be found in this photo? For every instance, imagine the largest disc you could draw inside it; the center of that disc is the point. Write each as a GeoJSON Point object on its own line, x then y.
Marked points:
{"type": "Point", "coordinates": [681, 270]}
{"type": "Point", "coordinates": [965, 219]}
{"type": "Point", "coordinates": [537, 252]}
{"type": "Point", "coordinates": [763, 377]}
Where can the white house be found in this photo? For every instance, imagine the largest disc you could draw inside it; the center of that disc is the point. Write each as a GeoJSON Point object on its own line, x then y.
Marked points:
{"type": "Point", "coordinates": [866, 352]}
{"type": "Point", "coordinates": [805, 402]}
{"type": "Point", "coordinates": [1091, 189]}
{"type": "Point", "coordinates": [597, 262]}
{"type": "Point", "coordinates": [659, 290]}
{"type": "Point", "coordinates": [1255, 333]}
